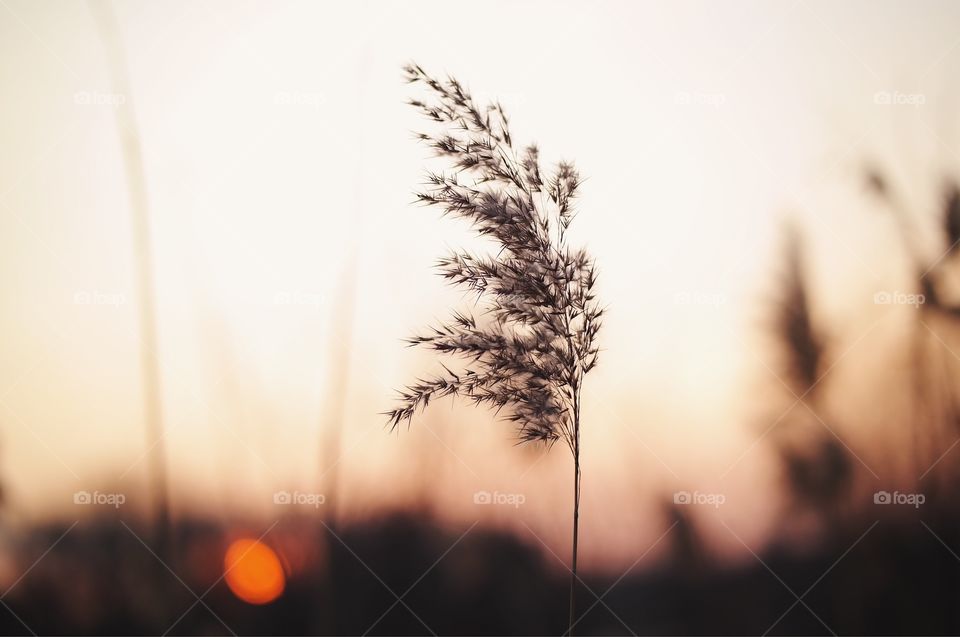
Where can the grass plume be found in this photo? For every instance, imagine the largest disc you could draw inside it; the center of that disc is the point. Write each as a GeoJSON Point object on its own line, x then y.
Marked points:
{"type": "Point", "coordinates": [530, 338]}
{"type": "Point", "coordinates": [793, 322]}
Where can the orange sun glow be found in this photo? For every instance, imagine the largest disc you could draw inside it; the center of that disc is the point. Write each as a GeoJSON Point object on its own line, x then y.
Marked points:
{"type": "Point", "coordinates": [253, 571]}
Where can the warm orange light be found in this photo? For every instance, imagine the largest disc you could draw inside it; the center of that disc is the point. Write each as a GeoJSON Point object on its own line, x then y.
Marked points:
{"type": "Point", "coordinates": [253, 571]}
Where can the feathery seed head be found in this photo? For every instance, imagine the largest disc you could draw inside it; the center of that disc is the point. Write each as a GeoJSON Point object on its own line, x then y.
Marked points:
{"type": "Point", "coordinates": [532, 338]}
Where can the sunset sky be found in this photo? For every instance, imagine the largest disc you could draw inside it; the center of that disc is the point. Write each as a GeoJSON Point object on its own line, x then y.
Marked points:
{"type": "Point", "coordinates": [278, 150]}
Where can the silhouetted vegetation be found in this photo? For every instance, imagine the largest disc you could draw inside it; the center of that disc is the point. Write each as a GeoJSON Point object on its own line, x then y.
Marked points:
{"type": "Point", "coordinates": [899, 579]}
{"type": "Point", "coordinates": [531, 340]}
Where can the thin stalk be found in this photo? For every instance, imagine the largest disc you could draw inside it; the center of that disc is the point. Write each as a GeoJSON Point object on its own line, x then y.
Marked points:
{"type": "Point", "coordinates": [576, 510]}
{"type": "Point", "coordinates": [341, 334]}
{"type": "Point", "coordinates": [332, 423]}
{"type": "Point", "coordinates": [341, 344]}
{"type": "Point", "coordinates": [341, 349]}
{"type": "Point", "coordinates": [920, 395]}
{"type": "Point", "coordinates": [140, 212]}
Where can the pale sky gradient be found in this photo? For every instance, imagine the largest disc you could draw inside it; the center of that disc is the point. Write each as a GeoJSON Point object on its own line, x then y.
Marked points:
{"type": "Point", "coordinates": [276, 141]}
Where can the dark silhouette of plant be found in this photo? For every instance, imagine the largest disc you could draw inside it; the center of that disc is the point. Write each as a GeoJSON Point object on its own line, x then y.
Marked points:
{"type": "Point", "coordinates": [817, 467]}
{"type": "Point", "coordinates": [527, 348]}
{"type": "Point", "coordinates": [937, 408]}
{"type": "Point", "coordinates": [793, 325]}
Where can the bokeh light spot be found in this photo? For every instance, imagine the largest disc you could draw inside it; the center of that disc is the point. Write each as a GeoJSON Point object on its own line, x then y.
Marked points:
{"type": "Point", "coordinates": [253, 571]}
